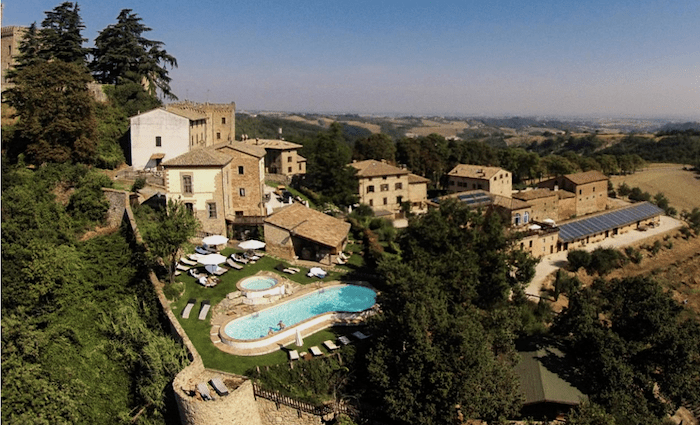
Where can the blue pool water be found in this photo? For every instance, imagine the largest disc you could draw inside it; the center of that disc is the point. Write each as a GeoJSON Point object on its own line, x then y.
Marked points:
{"type": "Point", "coordinates": [347, 298]}
{"type": "Point", "coordinates": [258, 283]}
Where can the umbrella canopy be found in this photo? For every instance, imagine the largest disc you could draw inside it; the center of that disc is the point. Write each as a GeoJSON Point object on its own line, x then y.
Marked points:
{"type": "Point", "coordinates": [535, 227]}
{"type": "Point", "coordinates": [211, 259]}
{"type": "Point", "coordinates": [215, 240]}
{"type": "Point", "coordinates": [251, 244]}
{"type": "Point", "coordinates": [318, 272]}
{"type": "Point", "coordinates": [299, 340]}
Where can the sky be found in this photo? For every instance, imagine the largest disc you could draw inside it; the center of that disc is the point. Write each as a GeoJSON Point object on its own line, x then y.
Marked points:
{"type": "Point", "coordinates": [563, 58]}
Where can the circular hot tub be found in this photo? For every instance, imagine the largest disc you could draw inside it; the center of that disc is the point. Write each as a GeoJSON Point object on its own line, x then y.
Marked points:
{"type": "Point", "coordinates": [261, 288]}
{"type": "Point", "coordinates": [257, 283]}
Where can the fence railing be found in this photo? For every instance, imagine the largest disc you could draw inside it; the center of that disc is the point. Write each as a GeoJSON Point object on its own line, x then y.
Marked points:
{"type": "Point", "coordinates": [301, 406]}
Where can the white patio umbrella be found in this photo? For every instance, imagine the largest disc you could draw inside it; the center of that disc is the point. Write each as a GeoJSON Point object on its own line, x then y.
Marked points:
{"type": "Point", "coordinates": [251, 244]}
{"type": "Point", "coordinates": [299, 341]}
{"type": "Point", "coordinates": [211, 261]}
{"type": "Point", "coordinates": [215, 240]}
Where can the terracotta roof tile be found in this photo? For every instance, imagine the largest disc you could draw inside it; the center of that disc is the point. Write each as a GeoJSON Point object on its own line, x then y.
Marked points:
{"type": "Point", "coordinates": [273, 144]}
{"type": "Point", "coordinates": [374, 168]}
{"type": "Point", "coordinates": [187, 113]}
{"type": "Point", "coordinates": [414, 179]}
{"type": "Point", "coordinates": [199, 158]}
{"type": "Point", "coordinates": [475, 171]}
{"type": "Point", "coordinates": [241, 147]}
{"type": "Point", "coordinates": [586, 177]}
{"type": "Point", "coordinates": [310, 224]}
{"type": "Point", "coordinates": [527, 195]}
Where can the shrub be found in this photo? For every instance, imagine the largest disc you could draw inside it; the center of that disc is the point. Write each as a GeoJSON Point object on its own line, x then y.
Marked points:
{"type": "Point", "coordinates": [634, 255]}
{"type": "Point", "coordinates": [139, 184]}
{"type": "Point", "coordinates": [605, 260]}
{"type": "Point", "coordinates": [578, 258]}
{"type": "Point", "coordinates": [623, 189]}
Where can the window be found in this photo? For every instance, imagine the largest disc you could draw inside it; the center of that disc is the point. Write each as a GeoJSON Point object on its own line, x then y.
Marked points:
{"type": "Point", "coordinates": [211, 209]}
{"type": "Point", "coordinates": [371, 202]}
{"type": "Point", "coordinates": [187, 184]}
{"type": "Point", "coordinates": [452, 182]}
{"type": "Point", "coordinates": [384, 187]}
{"type": "Point", "coordinates": [223, 120]}
{"type": "Point", "coordinates": [384, 178]}
{"type": "Point", "coordinates": [189, 206]}
{"type": "Point", "coordinates": [399, 199]}
{"type": "Point", "coordinates": [241, 191]}
{"type": "Point", "coordinates": [158, 141]}
{"type": "Point", "coordinates": [526, 217]}
{"type": "Point", "coordinates": [398, 186]}
{"type": "Point", "coordinates": [370, 189]}
{"type": "Point", "coordinates": [580, 191]}
{"type": "Point", "coordinates": [385, 201]}
{"type": "Point", "coordinates": [299, 167]}
{"type": "Point", "coordinates": [530, 244]}
{"type": "Point", "coordinates": [517, 219]}
{"type": "Point", "coordinates": [289, 169]}
{"type": "Point", "coordinates": [218, 135]}
{"type": "Point", "coordinates": [593, 188]}
{"type": "Point", "coordinates": [289, 159]}
{"type": "Point", "coordinates": [240, 169]}
{"type": "Point", "coordinates": [239, 213]}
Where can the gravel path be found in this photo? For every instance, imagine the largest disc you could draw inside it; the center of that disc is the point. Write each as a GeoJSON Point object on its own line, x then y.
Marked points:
{"type": "Point", "coordinates": [550, 263]}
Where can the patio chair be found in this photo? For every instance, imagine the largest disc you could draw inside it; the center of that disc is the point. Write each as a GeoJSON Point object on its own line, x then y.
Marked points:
{"type": "Point", "coordinates": [205, 309]}
{"type": "Point", "coordinates": [203, 281]}
{"type": "Point", "coordinates": [237, 258]}
{"type": "Point", "coordinates": [359, 335]}
{"type": "Point", "coordinates": [220, 271]}
{"type": "Point", "coordinates": [234, 264]}
{"type": "Point", "coordinates": [194, 273]}
{"type": "Point", "coordinates": [219, 386]}
{"type": "Point", "coordinates": [316, 351]}
{"type": "Point", "coordinates": [295, 269]}
{"type": "Point", "coordinates": [293, 355]}
{"type": "Point", "coordinates": [330, 345]}
{"type": "Point", "coordinates": [188, 308]}
{"type": "Point", "coordinates": [344, 340]}
{"type": "Point", "coordinates": [187, 262]}
{"type": "Point", "coordinates": [201, 250]}
{"type": "Point", "coordinates": [204, 391]}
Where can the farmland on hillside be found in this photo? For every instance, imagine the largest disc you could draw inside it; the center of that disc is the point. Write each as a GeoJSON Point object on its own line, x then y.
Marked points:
{"type": "Point", "coordinates": [681, 187]}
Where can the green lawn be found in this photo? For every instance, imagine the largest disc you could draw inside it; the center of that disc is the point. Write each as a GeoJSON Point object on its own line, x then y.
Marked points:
{"type": "Point", "coordinates": [198, 330]}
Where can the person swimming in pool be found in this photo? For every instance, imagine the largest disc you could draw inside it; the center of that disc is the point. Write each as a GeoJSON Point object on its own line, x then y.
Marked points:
{"type": "Point", "coordinates": [281, 325]}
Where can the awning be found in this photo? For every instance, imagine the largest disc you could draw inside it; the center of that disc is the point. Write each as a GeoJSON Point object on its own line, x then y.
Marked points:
{"type": "Point", "coordinates": [158, 156]}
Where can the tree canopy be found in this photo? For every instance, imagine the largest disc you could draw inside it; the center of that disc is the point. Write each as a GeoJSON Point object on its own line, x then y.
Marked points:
{"type": "Point", "coordinates": [60, 35]}
{"type": "Point", "coordinates": [123, 55]}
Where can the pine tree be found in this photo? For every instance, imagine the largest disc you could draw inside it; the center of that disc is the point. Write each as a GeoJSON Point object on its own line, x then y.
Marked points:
{"type": "Point", "coordinates": [122, 55]}
{"type": "Point", "coordinates": [60, 36]}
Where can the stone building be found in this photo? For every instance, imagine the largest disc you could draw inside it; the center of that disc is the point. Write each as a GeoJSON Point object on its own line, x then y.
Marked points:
{"type": "Point", "coordinates": [465, 177]}
{"type": "Point", "coordinates": [220, 119]}
{"type": "Point", "coordinates": [11, 37]}
{"type": "Point", "coordinates": [222, 185]}
{"type": "Point", "coordinates": [517, 212]}
{"type": "Point", "coordinates": [590, 189]}
{"type": "Point", "coordinates": [385, 187]}
{"type": "Point", "coordinates": [297, 231]}
{"type": "Point", "coordinates": [557, 205]}
{"type": "Point", "coordinates": [282, 157]}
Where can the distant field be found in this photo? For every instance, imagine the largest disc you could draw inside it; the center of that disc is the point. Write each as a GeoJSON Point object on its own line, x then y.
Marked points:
{"type": "Point", "coordinates": [682, 188]}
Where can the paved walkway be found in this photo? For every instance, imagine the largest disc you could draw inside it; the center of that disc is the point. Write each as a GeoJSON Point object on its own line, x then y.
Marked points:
{"type": "Point", "coordinates": [550, 263]}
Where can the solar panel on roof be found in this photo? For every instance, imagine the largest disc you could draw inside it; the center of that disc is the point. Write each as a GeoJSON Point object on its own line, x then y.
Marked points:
{"type": "Point", "coordinates": [598, 224]}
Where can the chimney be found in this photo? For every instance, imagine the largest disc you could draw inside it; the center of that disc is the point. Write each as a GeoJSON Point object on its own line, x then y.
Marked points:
{"type": "Point", "coordinates": [556, 187]}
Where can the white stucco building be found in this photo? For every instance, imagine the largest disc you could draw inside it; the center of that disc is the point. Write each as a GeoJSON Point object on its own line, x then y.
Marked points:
{"type": "Point", "coordinates": [159, 135]}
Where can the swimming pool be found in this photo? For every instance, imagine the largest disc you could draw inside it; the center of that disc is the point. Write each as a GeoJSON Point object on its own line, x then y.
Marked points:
{"type": "Point", "coordinates": [343, 298]}
{"type": "Point", "coordinates": [258, 283]}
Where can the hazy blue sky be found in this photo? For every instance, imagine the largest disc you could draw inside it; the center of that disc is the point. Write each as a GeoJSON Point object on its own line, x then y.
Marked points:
{"type": "Point", "coordinates": [586, 57]}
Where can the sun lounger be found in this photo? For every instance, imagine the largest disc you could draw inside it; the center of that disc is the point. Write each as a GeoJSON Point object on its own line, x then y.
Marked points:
{"type": "Point", "coordinates": [359, 335]}
{"type": "Point", "coordinates": [293, 355]}
{"type": "Point", "coordinates": [194, 257]}
{"type": "Point", "coordinates": [219, 386]}
{"type": "Point", "coordinates": [177, 273]}
{"type": "Point", "coordinates": [233, 264]}
{"type": "Point", "coordinates": [259, 253]}
{"type": "Point", "coordinates": [200, 250]}
{"type": "Point", "coordinates": [343, 256]}
{"type": "Point", "coordinates": [181, 267]}
{"type": "Point", "coordinates": [188, 308]}
{"type": "Point", "coordinates": [205, 309]}
{"type": "Point", "coordinates": [316, 351]}
{"type": "Point", "coordinates": [295, 269]}
{"type": "Point", "coordinates": [344, 340]}
{"type": "Point", "coordinates": [330, 345]}
{"type": "Point", "coordinates": [237, 258]}
{"type": "Point", "coordinates": [289, 271]}
{"type": "Point", "coordinates": [195, 274]}
{"type": "Point", "coordinates": [187, 262]}
{"type": "Point", "coordinates": [204, 391]}
{"type": "Point", "coordinates": [220, 271]}
{"type": "Point", "coordinates": [341, 261]}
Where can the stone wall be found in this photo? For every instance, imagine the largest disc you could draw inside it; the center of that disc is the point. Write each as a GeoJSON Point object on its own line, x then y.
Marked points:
{"type": "Point", "coordinates": [272, 413]}
{"type": "Point", "coordinates": [118, 200]}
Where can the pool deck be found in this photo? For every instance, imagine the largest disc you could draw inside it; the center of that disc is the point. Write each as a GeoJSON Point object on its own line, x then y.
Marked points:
{"type": "Point", "coordinates": [228, 309]}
